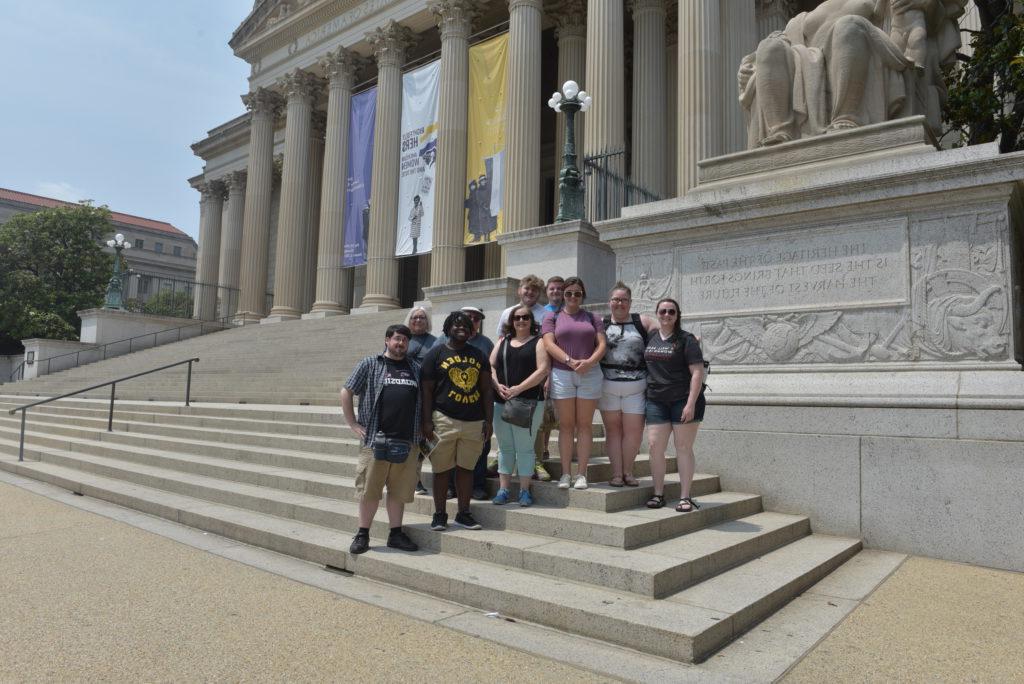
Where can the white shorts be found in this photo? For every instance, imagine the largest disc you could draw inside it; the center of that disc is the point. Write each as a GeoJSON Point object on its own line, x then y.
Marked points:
{"type": "Point", "coordinates": [567, 384]}
{"type": "Point", "coordinates": [628, 396]}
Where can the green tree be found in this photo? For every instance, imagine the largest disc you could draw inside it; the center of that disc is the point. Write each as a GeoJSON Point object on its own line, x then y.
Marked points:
{"type": "Point", "coordinates": [51, 266]}
{"type": "Point", "coordinates": [169, 303]}
{"type": "Point", "coordinates": [986, 90]}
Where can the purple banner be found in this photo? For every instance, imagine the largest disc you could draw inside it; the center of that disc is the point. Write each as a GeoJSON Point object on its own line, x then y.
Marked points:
{"type": "Point", "coordinates": [360, 166]}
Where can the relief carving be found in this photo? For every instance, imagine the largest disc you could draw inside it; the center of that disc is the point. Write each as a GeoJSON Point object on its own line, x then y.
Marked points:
{"type": "Point", "coordinates": [785, 338]}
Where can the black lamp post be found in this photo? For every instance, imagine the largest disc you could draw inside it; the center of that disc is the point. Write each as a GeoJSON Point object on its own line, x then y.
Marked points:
{"type": "Point", "coordinates": [570, 185]}
{"type": "Point", "coordinates": [114, 299]}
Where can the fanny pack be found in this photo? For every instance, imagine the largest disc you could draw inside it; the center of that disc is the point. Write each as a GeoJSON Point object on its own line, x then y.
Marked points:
{"type": "Point", "coordinates": [389, 449]}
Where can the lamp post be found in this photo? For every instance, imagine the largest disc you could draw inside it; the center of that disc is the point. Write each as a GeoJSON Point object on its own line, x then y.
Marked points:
{"type": "Point", "coordinates": [114, 299]}
{"type": "Point", "coordinates": [570, 185]}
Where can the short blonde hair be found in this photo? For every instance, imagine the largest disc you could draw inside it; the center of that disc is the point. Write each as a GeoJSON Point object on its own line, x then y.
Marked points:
{"type": "Point", "coordinates": [532, 281]}
{"type": "Point", "coordinates": [408, 318]}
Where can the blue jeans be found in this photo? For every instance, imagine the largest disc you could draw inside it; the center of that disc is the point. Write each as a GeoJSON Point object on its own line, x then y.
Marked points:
{"type": "Point", "coordinates": [516, 443]}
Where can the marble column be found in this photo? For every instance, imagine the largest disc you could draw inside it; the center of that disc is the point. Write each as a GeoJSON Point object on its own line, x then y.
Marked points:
{"type": "Point", "coordinates": [739, 38]}
{"type": "Point", "coordinates": [700, 88]}
{"type": "Point", "coordinates": [447, 263]}
{"type": "Point", "coordinates": [522, 133]}
{"type": "Point", "coordinates": [204, 296]}
{"type": "Point", "coordinates": [671, 101]}
{"type": "Point", "coordinates": [571, 37]}
{"type": "Point", "coordinates": [231, 244]}
{"type": "Point", "coordinates": [331, 299]}
{"type": "Point", "coordinates": [773, 15]}
{"type": "Point", "coordinates": [389, 47]}
{"type": "Point", "coordinates": [293, 220]}
{"type": "Point", "coordinates": [648, 148]}
{"type": "Point", "coordinates": [316, 167]}
{"type": "Point", "coordinates": [606, 121]}
{"type": "Point", "coordinates": [265, 106]}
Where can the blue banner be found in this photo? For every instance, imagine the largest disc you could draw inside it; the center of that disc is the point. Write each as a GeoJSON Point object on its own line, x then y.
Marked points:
{"type": "Point", "coordinates": [357, 186]}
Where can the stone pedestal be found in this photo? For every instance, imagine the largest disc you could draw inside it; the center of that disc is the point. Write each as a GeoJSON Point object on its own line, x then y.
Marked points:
{"type": "Point", "coordinates": [858, 296]}
{"type": "Point", "coordinates": [565, 249]}
{"type": "Point", "coordinates": [492, 296]}
{"type": "Point", "coordinates": [51, 356]}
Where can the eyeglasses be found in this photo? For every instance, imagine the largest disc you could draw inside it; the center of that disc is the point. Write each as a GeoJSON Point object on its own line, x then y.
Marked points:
{"type": "Point", "coordinates": [573, 294]}
{"type": "Point", "coordinates": [666, 312]}
{"type": "Point", "coordinates": [619, 300]}
{"type": "Point", "coordinates": [418, 318]}
{"type": "Point", "coordinates": [522, 317]}
{"type": "Point", "coordinates": [476, 319]}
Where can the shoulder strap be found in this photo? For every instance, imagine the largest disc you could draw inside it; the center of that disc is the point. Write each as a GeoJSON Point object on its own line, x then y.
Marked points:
{"type": "Point", "coordinates": [638, 323]}
{"type": "Point", "coordinates": [606, 321]}
{"type": "Point", "coordinates": [504, 360]}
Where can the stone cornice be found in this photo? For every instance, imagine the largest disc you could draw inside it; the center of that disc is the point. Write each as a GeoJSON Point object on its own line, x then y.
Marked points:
{"type": "Point", "coordinates": [390, 44]}
{"type": "Point", "coordinates": [227, 136]}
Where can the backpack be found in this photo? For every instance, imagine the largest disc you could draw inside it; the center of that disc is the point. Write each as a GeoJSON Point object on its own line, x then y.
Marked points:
{"type": "Point", "coordinates": [637, 323]}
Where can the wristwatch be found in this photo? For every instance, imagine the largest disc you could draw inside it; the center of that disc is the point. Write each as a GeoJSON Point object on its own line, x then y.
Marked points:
{"type": "Point", "coordinates": [567, 360]}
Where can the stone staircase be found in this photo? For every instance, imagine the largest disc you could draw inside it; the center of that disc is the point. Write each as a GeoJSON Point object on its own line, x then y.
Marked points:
{"type": "Point", "coordinates": [594, 562]}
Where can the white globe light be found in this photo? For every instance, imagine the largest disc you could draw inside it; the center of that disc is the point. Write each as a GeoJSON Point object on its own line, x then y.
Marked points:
{"type": "Point", "coordinates": [582, 95]}
{"type": "Point", "coordinates": [110, 243]}
{"type": "Point", "coordinates": [119, 237]}
{"type": "Point", "coordinates": [570, 88]}
{"type": "Point", "coordinates": [552, 103]}
{"type": "Point", "coordinates": [584, 107]}
{"type": "Point", "coordinates": [558, 106]}
{"type": "Point", "coordinates": [588, 100]}
{"type": "Point", "coordinates": [557, 96]}
{"type": "Point", "coordinates": [127, 245]}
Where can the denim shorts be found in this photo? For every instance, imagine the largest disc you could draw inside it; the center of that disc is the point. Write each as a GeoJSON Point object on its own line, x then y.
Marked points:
{"type": "Point", "coordinates": [660, 412]}
{"type": "Point", "coordinates": [567, 384]}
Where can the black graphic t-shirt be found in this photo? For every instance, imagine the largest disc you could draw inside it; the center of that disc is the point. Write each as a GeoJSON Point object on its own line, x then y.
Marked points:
{"type": "Point", "coordinates": [398, 400]}
{"type": "Point", "coordinates": [668, 365]}
{"type": "Point", "coordinates": [456, 376]}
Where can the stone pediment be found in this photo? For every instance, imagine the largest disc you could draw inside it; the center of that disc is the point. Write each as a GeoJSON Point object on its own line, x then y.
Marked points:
{"type": "Point", "coordinates": [265, 15]}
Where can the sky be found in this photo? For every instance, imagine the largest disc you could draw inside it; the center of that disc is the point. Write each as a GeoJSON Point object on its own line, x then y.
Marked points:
{"type": "Point", "coordinates": [101, 99]}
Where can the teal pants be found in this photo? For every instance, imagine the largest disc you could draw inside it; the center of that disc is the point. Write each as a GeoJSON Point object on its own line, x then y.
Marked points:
{"type": "Point", "coordinates": [515, 444]}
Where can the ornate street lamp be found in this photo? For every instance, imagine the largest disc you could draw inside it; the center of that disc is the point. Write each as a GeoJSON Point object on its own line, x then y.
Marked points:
{"type": "Point", "coordinates": [114, 299]}
{"type": "Point", "coordinates": [570, 184]}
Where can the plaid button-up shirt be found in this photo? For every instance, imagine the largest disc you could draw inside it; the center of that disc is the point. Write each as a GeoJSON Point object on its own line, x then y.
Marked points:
{"type": "Point", "coordinates": [366, 382]}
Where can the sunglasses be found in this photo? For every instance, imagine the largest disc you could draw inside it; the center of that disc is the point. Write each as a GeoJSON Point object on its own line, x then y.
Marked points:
{"type": "Point", "coordinates": [666, 312]}
{"type": "Point", "coordinates": [573, 294]}
{"type": "Point", "coordinates": [522, 317]}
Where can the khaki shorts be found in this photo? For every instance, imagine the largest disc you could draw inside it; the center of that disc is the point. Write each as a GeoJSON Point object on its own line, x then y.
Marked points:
{"type": "Point", "coordinates": [372, 475]}
{"type": "Point", "coordinates": [459, 443]}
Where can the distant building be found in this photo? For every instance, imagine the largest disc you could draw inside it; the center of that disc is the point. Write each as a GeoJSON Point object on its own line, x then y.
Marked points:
{"type": "Point", "coordinates": [162, 257]}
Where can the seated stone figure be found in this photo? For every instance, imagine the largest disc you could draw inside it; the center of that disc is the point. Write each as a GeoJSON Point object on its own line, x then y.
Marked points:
{"type": "Point", "coordinates": [836, 67]}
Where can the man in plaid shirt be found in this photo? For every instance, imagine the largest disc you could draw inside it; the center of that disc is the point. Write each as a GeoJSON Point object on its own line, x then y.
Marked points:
{"type": "Point", "coordinates": [389, 406]}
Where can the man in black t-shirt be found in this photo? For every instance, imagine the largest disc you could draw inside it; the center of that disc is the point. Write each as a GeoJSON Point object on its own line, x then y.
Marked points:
{"type": "Point", "coordinates": [457, 409]}
{"type": "Point", "coordinates": [388, 389]}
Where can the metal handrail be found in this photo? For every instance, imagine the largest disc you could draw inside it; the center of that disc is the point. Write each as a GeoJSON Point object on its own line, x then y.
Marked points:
{"type": "Point", "coordinates": [113, 386]}
{"type": "Point", "coordinates": [129, 340]}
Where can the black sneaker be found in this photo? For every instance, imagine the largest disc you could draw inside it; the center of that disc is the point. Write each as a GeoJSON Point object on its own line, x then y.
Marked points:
{"type": "Point", "coordinates": [451, 492]}
{"type": "Point", "coordinates": [440, 522]}
{"type": "Point", "coordinates": [466, 519]}
{"type": "Point", "coordinates": [360, 544]}
{"type": "Point", "coordinates": [398, 539]}
{"type": "Point", "coordinates": [480, 494]}
{"type": "Point", "coordinates": [420, 489]}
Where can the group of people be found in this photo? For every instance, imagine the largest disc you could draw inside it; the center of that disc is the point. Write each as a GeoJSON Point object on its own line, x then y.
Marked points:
{"type": "Point", "coordinates": [442, 399]}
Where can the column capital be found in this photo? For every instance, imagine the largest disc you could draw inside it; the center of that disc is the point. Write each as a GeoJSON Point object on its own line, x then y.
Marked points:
{"type": "Point", "coordinates": [300, 85]}
{"type": "Point", "coordinates": [640, 6]}
{"type": "Point", "coordinates": [341, 66]}
{"type": "Point", "coordinates": [263, 101]}
{"type": "Point", "coordinates": [570, 19]}
{"type": "Point", "coordinates": [390, 43]}
{"type": "Point", "coordinates": [513, 5]}
{"type": "Point", "coordinates": [455, 17]}
{"type": "Point", "coordinates": [235, 181]}
{"type": "Point", "coordinates": [213, 189]}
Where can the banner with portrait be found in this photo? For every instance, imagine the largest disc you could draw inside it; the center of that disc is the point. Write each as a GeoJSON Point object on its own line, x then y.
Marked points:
{"type": "Point", "coordinates": [485, 159]}
{"type": "Point", "coordinates": [418, 160]}
{"type": "Point", "coordinates": [357, 183]}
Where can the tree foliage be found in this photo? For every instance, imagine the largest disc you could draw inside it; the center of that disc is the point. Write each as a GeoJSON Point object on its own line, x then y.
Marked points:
{"type": "Point", "coordinates": [169, 303]}
{"type": "Point", "coordinates": [986, 90]}
{"type": "Point", "coordinates": [51, 266]}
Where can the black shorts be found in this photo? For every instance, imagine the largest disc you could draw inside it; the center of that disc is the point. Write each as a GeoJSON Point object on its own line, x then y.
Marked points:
{"type": "Point", "coordinates": [660, 412]}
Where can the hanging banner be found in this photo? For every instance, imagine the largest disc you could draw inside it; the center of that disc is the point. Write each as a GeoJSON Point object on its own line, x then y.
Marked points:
{"type": "Point", "coordinates": [418, 166]}
{"type": "Point", "coordinates": [485, 160]}
{"type": "Point", "coordinates": [360, 168]}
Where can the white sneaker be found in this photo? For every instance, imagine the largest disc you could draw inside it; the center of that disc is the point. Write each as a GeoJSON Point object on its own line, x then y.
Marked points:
{"type": "Point", "coordinates": [564, 482]}
{"type": "Point", "coordinates": [581, 482]}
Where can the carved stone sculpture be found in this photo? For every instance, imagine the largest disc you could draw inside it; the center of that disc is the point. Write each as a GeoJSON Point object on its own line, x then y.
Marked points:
{"type": "Point", "coordinates": [849, 63]}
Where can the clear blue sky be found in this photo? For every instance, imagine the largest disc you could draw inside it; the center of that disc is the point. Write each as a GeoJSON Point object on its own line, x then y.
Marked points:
{"type": "Point", "coordinates": [101, 99]}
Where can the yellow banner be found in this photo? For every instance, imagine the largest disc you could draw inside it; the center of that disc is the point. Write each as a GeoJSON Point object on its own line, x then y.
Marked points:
{"type": "Point", "coordinates": [485, 158]}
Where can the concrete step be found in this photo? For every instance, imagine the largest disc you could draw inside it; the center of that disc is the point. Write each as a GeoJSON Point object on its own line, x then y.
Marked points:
{"type": "Point", "coordinates": [678, 627]}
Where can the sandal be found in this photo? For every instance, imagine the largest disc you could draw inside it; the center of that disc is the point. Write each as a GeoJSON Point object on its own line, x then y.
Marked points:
{"type": "Point", "coordinates": [630, 481]}
{"type": "Point", "coordinates": [686, 505]}
{"type": "Point", "coordinates": [616, 482]}
{"type": "Point", "coordinates": [656, 501]}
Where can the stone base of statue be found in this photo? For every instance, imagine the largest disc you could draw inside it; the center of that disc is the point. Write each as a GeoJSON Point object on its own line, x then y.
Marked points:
{"type": "Point", "coordinates": [859, 297]}
{"type": "Point", "coordinates": [569, 248]}
{"type": "Point", "coordinates": [491, 296]}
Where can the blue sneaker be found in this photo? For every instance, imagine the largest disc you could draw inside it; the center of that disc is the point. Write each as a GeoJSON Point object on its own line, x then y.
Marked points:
{"type": "Point", "coordinates": [525, 498]}
{"type": "Point", "coordinates": [502, 498]}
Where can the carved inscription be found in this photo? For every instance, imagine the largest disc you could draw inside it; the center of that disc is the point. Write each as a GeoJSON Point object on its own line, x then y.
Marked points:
{"type": "Point", "coordinates": [861, 266]}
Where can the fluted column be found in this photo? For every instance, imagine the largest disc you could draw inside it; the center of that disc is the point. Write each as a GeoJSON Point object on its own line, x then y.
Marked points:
{"type": "Point", "coordinates": [671, 101]}
{"type": "Point", "coordinates": [265, 106]}
{"type": "Point", "coordinates": [293, 218]}
{"type": "Point", "coordinates": [316, 168]}
{"type": "Point", "coordinates": [700, 87]}
{"type": "Point", "coordinates": [340, 66]}
{"type": "Point", "coordinates": [606, 120]}
{"type": "Point", "coordinates": [389, 46]}
{"type": "Point", "coordinates": [448, 261]}
{"type": "Point", "coordinates": [648, 158]}
{"type": "Point", "coordinates": [739, 38]}
{"type": "Point", "coordinates": [231, 244]}
{"type": "Point", "coordinates": [773, 15]}
{"type": "Point", "coordinates": [208, 259]}
{"type": "Point", "coordinates": [522, 128]}
{"type": "Point", "coordinates": [571, 37]}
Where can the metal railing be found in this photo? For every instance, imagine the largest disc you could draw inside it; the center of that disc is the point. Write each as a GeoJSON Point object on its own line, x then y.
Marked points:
{"type": "Point", "coordinates": [113, 387]}
{"type": "Point", "coordinates": [159, 295]}
{"type": "Point", "coordinates": [609, 188]}
{"type": "Point", "coordinates": [103, 352]}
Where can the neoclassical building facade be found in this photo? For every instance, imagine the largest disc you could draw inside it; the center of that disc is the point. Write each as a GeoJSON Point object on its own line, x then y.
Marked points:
{"type": "Point", "coordinates": [661, 74]}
